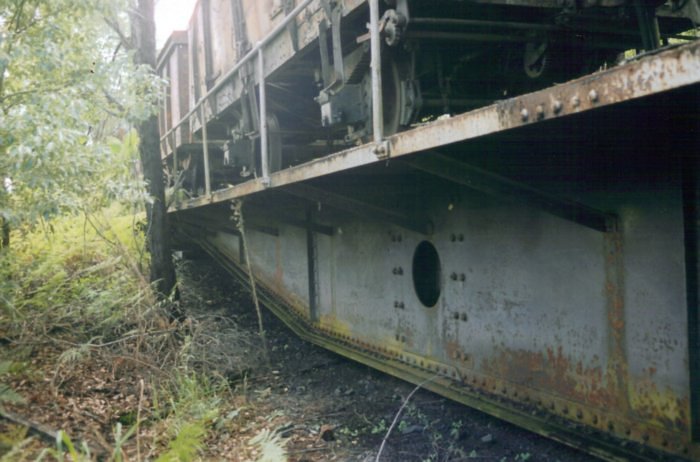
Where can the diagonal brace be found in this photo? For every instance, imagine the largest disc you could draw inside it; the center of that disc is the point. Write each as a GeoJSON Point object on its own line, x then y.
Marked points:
{"type": "Point", "coordinates": [489, 183]}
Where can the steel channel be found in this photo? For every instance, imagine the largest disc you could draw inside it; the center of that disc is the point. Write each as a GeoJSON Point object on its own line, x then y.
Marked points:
{"type": "Point", "coordinates": [174, 137]}
{"type": "Point", "coordinates": [459, 36]}
{"type": "Point", "coordinates": [205, 154]}
{"type": "Point", "coordinates": [532, 26]}
{"type": "Point", "coordinates": [312, 266]}
{"type": "Point", "coordinates": [264, 154]}
{"type": "Point", "coordinates": [376, 67]}
{"type": "Point", "coordinates": [478, 23]}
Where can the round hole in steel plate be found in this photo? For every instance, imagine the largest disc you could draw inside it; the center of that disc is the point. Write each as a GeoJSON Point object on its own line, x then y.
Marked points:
{"type": "Point", "coordinates": [426, 273]}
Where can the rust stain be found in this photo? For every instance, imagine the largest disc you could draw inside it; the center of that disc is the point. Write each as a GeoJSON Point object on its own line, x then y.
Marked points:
{"type": "Point", "coordinates": [617, 374]}
{"type": "Point", "coordinates": [456, 353]}
{"type": "Point", "coordinates": [659, 407]}
{"type": "Point", "coordinates": [552, 371]}
{"type": "Point", "coordinates": [335, 325]}
{"type": "Point", "coordinates": [594, 386]}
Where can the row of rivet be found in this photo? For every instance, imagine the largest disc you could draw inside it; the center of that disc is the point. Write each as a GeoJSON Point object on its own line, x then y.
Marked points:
{"type": "Point", "coordinates": [396, 237]}
{"type": "Point", "coordinates": [563, 409]}
{"type": "Point", "coordinates": [457, 316]}
{"type": "Point", "coordinates": [463, 380]}
{"type": "Point", "coordinates": [557, 106]}
{"type": "Point", "coordinates": [457, 237]}
{"type": "Point", "coordinates": [461, 277]}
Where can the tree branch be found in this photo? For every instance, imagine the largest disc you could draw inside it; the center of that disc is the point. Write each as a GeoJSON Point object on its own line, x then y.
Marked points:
{"type": "Point", "coordinates": [126, 42]}
{"type": "Point", "coordinates": [36, 90]}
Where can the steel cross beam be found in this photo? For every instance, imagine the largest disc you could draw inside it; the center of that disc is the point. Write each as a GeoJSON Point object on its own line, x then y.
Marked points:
{"type": "Point", "coordinates": [421, 225]}
{"type": "Point", "coordinates": [495, 185]}
{"type": "Point", "coordinates": [285, 218]}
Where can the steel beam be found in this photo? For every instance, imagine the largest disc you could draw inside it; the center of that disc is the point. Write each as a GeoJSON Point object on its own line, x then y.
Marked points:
{"type": "Point", "coordinates": [384, 360]}
{"type": "Point", "coordinates": [376, 69]}
{"type": "Point", "coordinates": [504, 188]}
{"type": "Point", "coordinates": [224, 225]}
{"type": "Point", "coordinates": [205, 153]}
{"type": "Point", "coordinates": [304, 224]}
{"type": "Point", "coordinates": [312, 265]}
{"type": "Point", "coordinates": [656, 73]}
{"type": "Point", "coordinates": [691, 218]}
{"type": "Point", "coordinates": [264, 154]}
{"type": "Point", "coordinates": [420, 225]}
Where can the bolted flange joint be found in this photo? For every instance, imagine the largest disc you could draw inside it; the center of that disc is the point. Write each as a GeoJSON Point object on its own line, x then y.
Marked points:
{"type": "Point", "coordinates": [381, 150]}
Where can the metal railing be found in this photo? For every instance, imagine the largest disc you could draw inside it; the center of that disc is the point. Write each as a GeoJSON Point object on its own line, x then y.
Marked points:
{"type": "Point", "coordinates": [257, 52]}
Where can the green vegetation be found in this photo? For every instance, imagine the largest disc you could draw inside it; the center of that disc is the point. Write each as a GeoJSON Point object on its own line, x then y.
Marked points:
{"type": "Point", "coordinates": [73, 277]}
{"type": "Point", "coordinates": [67, 91]}
{"type": "Point", "coordinates": [75, 297]}
{"type": "Point", "coordinates": [76, 302]}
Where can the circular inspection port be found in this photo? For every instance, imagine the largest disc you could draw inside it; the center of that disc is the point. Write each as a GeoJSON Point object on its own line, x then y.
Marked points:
{"type": "Point", "coordinates": [426, 273]}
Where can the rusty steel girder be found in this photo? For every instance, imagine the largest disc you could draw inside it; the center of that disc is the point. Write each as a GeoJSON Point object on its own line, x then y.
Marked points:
{"type": "Point", "coordinates": [533, 259]}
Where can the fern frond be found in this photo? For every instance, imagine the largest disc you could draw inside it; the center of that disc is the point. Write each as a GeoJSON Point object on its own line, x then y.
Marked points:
{"type": "Point", "coordinates": [186, 444]}
{"type": "Point", "coordinates": [271, 446]}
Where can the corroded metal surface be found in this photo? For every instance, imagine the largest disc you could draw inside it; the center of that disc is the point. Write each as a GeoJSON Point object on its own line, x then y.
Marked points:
{"type": "Point", "coordinates": [550, 339]}
{"type": "Point", "coordinates": [562, 328]}
{"type": "Point", "coordinates": [664, 71]}
{"type": "Point", "coordinates": [173, 66]}
{"type": "Point", "coordinates": [496, 335]}
{"type": "Point", "coordinates": [532, 261]}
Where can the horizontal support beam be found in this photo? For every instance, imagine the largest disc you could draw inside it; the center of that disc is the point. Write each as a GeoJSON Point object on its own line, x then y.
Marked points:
{"type": "Point", "coordinates": [360, 208]}
{"type": "Point", "coordinates": [495, 185]}
{"type": "Point", "coordinates": [281, 217]}
{"type": "Point", "coordinates": [654, 73]}
{"type": "Point", "coordinates": [211, 222]}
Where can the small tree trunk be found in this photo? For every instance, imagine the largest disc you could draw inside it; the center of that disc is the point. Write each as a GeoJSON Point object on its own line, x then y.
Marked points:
{"type": "Point", "coordinates": [158, 237]}
{"type": "Point", "coordinates": [5, 241]}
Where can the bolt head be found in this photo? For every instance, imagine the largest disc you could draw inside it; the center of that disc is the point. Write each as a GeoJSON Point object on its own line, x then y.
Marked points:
{"type": "Point", "coordinates": [540, 111]}
{"type": "Point", "coordinates": [524, 115]}
{"type": "Point", "coordinates": [381, 150]}
{"type": "Point", "coordinates": [593, 96]}
{"type": "Point", "coordinates": [557, 107]}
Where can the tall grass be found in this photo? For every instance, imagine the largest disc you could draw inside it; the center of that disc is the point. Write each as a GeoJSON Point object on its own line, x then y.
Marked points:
{"type": "Point", "coordinates": [76, 285]}
{"type": "Point", "coordinates": [78, 277]}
